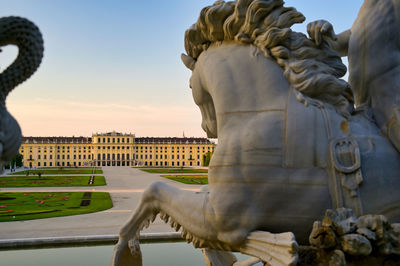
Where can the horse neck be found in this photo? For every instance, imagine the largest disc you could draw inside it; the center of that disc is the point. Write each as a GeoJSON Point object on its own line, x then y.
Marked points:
{"type": "Point", "coordinates": [249, 93]}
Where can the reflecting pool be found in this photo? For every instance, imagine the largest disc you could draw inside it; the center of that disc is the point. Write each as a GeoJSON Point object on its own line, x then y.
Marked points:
{"type": "Point", "coordinates": [154, 254]}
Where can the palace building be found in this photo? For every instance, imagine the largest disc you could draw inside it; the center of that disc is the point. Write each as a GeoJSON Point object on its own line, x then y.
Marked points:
{"type": "Point", "coordinates": [114, 149]}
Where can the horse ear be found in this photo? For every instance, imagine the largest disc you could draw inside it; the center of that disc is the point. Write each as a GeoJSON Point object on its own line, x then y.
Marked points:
{"type": "Point", "coordinates": [188, 61]}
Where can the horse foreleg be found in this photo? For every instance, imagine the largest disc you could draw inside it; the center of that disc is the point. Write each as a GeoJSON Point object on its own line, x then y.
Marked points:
{"type": "Point", "coordinates": [183, 209]}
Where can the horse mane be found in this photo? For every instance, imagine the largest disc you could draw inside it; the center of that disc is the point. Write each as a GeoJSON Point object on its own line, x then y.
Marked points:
{"type": "Point", "coordinates": [314, 71]}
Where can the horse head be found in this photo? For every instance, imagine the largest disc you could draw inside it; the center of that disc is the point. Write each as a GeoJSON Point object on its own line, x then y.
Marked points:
{"type": "Point", "coordinates": [263, 25]}
{"type": "Point", "coordinates": [27, 37]}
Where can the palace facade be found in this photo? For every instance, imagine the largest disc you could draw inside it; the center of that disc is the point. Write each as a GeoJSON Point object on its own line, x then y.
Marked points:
{"type": "Point", "coordinates": [114, 149]}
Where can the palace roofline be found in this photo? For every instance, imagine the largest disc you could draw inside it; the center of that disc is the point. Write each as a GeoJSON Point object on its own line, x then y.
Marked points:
{"type": "Point", "coordinates": [138, 140]}
{"type": "Point", "coordinates": [113, 133]}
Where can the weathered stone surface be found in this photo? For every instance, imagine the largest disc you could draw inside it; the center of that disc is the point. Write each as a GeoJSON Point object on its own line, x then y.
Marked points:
{"type": "Point", "coordinates": [342, 220]}
{"type": "Point", "coordinates": [322, 236]}
{"type": "Point", "coordinates": [356, 245]}
{"type": "Point", "coordinates": [27, 37]}
{"type": "Point", "coordinates": [290, 144]}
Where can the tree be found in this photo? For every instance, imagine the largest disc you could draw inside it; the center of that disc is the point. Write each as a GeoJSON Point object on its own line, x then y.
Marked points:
{"type": "Point", "coordinates": [206, 158]}
{"type": "Point", "coordinates": [17, 160]}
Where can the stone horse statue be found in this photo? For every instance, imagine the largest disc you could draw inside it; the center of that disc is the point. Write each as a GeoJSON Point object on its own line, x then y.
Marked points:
{"type": "Point", "coordinates": [290, 143]}
{"type": "Point", "coordinates": [27, 37]}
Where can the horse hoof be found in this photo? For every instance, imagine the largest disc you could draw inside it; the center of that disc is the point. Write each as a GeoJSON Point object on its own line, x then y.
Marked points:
{"type": "Point", "coordinates": [123, 256]}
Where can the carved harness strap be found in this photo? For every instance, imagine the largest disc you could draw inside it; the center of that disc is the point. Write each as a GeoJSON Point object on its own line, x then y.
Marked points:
{"type": "Point", "coordinates": [343, 155]}
{"type": "Point", "coordinates": [346, 173]}
{"type": "Point", "coordinates": [345, 163]}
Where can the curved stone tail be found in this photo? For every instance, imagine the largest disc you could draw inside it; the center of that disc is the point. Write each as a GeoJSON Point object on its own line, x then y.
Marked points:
{"type": "Point", "coordinates": [27, 37]}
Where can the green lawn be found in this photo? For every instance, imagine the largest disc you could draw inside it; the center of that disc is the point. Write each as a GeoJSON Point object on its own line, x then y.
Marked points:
{"type": "Point", "coordinates": [18, 206]}
{"type": "Point", "coordinates": [69, 171]}
{"type": "Point", "coordinates": [51, 181]}
{"type": "Point", "coordinates": [189, 179]}
{"type": "Point", "coordinates": [173, 170]}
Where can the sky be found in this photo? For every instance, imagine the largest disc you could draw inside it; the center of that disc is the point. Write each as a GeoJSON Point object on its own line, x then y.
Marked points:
{"type": "Point", "coordinates": [115, 65]}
